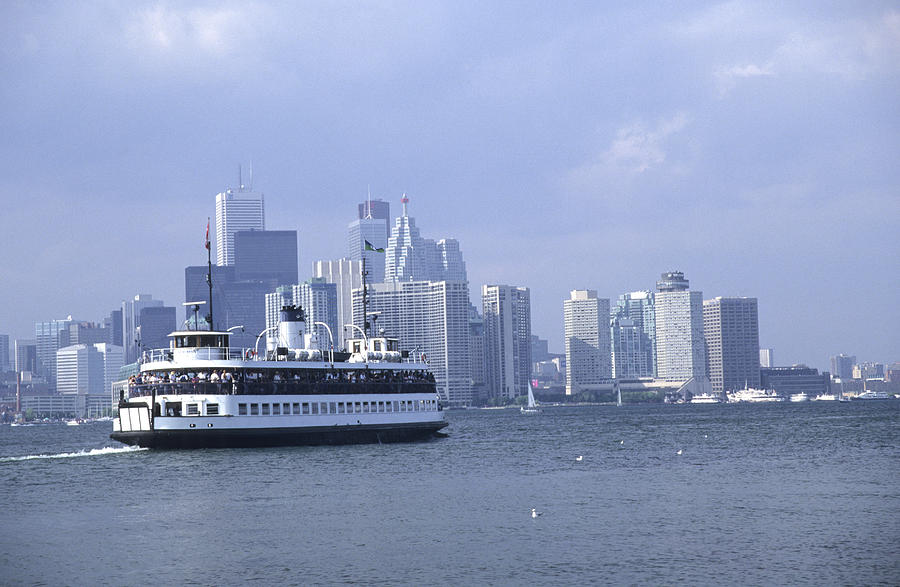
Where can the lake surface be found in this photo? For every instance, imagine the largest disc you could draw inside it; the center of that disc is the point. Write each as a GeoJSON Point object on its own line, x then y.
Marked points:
{"type": "Point", "coordinates": [760, 494]}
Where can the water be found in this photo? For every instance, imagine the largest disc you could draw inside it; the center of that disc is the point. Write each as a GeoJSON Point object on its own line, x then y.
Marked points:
{"type": "Point", "coordinates": [761, 494]}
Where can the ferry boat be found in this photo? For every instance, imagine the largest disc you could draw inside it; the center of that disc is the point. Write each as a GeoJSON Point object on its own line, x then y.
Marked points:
{"type": "Point", "coordinates": [706, 398]}
{"type": "Point", "coordinates": [799, 397]}
{"type": "Point", "coordinates": [750, 395]}
{"type": "Point", "coordinates": [202, 393]}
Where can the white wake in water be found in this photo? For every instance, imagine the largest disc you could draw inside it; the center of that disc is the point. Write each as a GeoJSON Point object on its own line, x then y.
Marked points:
{"type": "Point", "coordinates": [108, 450]}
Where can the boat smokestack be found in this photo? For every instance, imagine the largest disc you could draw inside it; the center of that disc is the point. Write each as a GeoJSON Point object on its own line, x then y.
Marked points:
{"type": "Point", "coordinates": [291, 327]}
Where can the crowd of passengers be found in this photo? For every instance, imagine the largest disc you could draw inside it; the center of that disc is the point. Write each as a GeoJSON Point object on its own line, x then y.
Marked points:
{"type": "Point", "coordinates": [142, 383]}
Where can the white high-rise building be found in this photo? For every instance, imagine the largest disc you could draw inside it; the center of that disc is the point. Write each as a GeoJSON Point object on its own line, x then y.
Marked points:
{"type": "Point", "coordinates": [731, 332]}
{"type": "Point", "coordinates": [507, 339]}
{"type": "Point", "coordinates": [347, 276]}
{"type": "Point", "coordinates": [88, 369]}
{"type": "Point", "coordinates": [50, 336]}
{"type": "Point", "coordinates": [637, 306]}
{"type": "Point", "coordinates": [629, 352]}
{"type": "Point", "coordinates": [766, 357]}
{"type": "Point", "coordinates": [429, 318]}
{"type": "Point", "coordinates": [680, 348]}
{"type": "Point", "coordinates": [409, 257]}
{"type": "Point", "coordinates": [588, 354]}
{"type": "Point", "coordinates": [236, 210]}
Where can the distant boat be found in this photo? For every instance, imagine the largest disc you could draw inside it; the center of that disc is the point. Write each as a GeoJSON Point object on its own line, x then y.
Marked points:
{"type": "Point", "coordinates": [706, 398]}
{"type": "Point", "coordinates": [72, 422]}
{"type": "Point", "coordinates": [799, 397]}
{"type": "Point", "coordinates": [873, 395]}
{"type": "Point", "coordinates": [531, 408]}
{"type": "Point", "coordinates": [825, 397]}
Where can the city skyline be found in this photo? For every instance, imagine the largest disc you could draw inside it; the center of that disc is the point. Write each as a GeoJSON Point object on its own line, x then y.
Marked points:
{"type": "Point", "coordinates": [583, 147]}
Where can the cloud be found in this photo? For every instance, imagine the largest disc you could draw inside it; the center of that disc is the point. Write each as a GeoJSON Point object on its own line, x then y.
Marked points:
{"type": "Point", "coordinates": [635, 150]}
{"type": "Point", "coordinates": [175, 30]}
{"type": "Point", "coordinates": [728, 77]}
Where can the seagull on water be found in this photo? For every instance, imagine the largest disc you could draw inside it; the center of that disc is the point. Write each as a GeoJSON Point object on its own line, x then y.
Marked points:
{"type": "Point", "coordinates": [621, 442]}
{"type": "Point", "coordinates": [579, 458]}
{"type": "Point", "coordinates": [535, 513]}
{"type": "Point", "coordinates": [679, 452]}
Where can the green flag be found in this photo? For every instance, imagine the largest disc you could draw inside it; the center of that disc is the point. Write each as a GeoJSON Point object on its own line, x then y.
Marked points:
{"type": "Point", "coordinates": [370, 247]}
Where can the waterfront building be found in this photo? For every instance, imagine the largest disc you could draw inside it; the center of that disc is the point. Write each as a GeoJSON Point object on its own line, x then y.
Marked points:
{"type": "Point", "coordinates": [680, 349]}
{"type": "Point", "coordinates": [236, 210]}
{"type": "Point", "coordinates": [766, 358]}
{"type": "Point", "coordinates": [788, 381]}
{"type": "Point", "coordinates": [429, 318]}
{"type": "Point", "coordinates": [476, 355]}
{"type": "Point", "coordinates": [637, 306]}
{"type": "Point", "coordinates": [628, 351]}
{"type": "Point", "coordinates": [868, 370]}
{"type": "Point", "coordinates": [507, 339]}
{"type": "Point", "coordinates": [731, 332]}
{"type": "Point", "coordinates": [346, 275]}
{"type": "Point", "coordinates": [588, 353]}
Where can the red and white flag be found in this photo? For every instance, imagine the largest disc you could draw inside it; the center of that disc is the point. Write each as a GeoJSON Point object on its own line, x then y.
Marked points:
{"type": "Point", "coordinates": [206, 243]}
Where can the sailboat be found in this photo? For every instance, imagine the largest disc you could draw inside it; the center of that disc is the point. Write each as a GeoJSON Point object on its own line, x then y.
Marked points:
{"type": "Point", "coordinates": [531, 408]}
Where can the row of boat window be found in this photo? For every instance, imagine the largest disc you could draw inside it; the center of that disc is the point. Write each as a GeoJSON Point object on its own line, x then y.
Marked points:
{"type": "Point", "coordinates": [314, 408]}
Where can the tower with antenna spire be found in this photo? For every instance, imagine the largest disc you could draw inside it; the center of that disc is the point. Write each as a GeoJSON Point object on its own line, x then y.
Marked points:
{"type": "Point", "coordinates": [237, 209]}
{"type": "Point", "coordinates": [370, 225]}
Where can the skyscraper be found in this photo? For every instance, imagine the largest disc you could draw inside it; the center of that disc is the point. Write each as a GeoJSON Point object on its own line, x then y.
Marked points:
{"type": "Point", "coordinates": [49, 337]}
{"type": "Point", "coordinates": [131, 321]}
{"type": "Point", "coordinates": [374, 231]}
{"type": "Point", "coordinates": [731, 331]}
{"type": "Point", "coordinates": [26, 355]}
{"type": "Point", "coordinates": [4, 353]}
{"type": "Point", "coordinates": [405, 256]}
{"type": "Point", "coordinates": [376, 208]}
{"type": "Point", "coordinates": [842, 366]}
{"type": "Point", "coordinates": [766, 357]}
{"type": "Point", "coordinates": [266, 255]}
{"type": "Point", "coordinates": [346, 275]}
{"type": "Point", "coordinates": [628, 349]}
{"type": "Point", "coordinates": [507, 339]}
{"type": "Point", "coordinates": [155, 325]}
{"type": "Point", "coordinates": [429, 318]}
{"type": "Point", "coordinates": [242, 209]}
{"type": "Point", "coordinates": [88, 369]}
{"type": "Point", "coordinates": [680, 350]}
{"type": "Point", "coordinates": [588, 358]}
{"type": "Point", "coordinates": [637, 306]}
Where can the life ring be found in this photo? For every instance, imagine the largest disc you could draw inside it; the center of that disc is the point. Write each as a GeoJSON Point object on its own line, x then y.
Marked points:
{"type": "Point", "coordinates": [250, 353]}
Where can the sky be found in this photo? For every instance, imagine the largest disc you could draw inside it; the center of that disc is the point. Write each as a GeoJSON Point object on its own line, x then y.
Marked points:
{"type": "Point", "coordinates": [752, 145]}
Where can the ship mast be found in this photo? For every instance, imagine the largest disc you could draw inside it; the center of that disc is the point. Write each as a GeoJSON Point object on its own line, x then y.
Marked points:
{"type": "Point", "coordinates": [209, 275]}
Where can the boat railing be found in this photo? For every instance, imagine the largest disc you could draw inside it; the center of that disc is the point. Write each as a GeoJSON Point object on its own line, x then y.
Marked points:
{"type": "Point", "coordinates": [237, 354]}
{"type": "Point", "coordinates": [324, 387]}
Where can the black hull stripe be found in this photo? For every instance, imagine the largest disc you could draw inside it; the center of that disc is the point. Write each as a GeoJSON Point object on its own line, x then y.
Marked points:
{"type": "Point", "coordinates": [259, 437]}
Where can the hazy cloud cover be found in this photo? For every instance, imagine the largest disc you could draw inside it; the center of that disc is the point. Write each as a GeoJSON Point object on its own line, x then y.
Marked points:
{"type": "Point", "coordinates": [752, 145]}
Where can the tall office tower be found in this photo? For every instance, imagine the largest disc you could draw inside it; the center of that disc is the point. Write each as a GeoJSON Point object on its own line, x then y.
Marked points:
{"type": "Point", "coordinates": [4, 353]}
{"type": "Point", "coordinates": [842, 366]}
{"type": "Point", "coordinates": [540, 349]}
{"type": "Point", "coordinates": [637, 306]}
{"type": "Point", "coordinates": [588, 358]}
{"type": "Point", "coordinates": [241, 209]}
{"type": "Point", "coordinates": [507, 339]}
{"type": "Point", "coordinates": [373, 230]}
{"type": "Point", "coordinates": [113, 325]}
{"type": "Point", "coordinates": [131, 321]}
{"type": "Point", "coordinates": [156, 323]}
{"type": "Point", "coordinates": [405, 256]}
{"type": "Point", "coordinates": [26, 355]}
{"type": "Point", "coordinates": [476, 355]}
{"type": "Point", "coordinates": [731, 331]}
{"type": "Point", "coordinates": [766, 357]}
{"type": "Point", "coordinates": [49, 337]}
{"type": "Point", "coordinates": [680, 349]}
{"type": "Point", "coordinates": [629, 354]}
{"type": "Point", "coordinates": [346, 275]}
{"type": "Point", "coordinates": [87, 333]}
{"type": "Point", "coordinates": [239, 290]}
{"type": "Point", "coordinates": [88, 369]}
{"type": "Point", "coordinates": [450, 260]}
{"type": "Point", "coordinates": [376, 208]}
{"type": "Point", "coordinates": [430, 318]}
{"type": "Point", "coordinates": [266, 255]}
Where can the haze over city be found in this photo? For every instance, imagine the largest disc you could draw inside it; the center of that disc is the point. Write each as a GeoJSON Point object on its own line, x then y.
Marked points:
{"type": "Point", "coordinates": [752, 146]}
